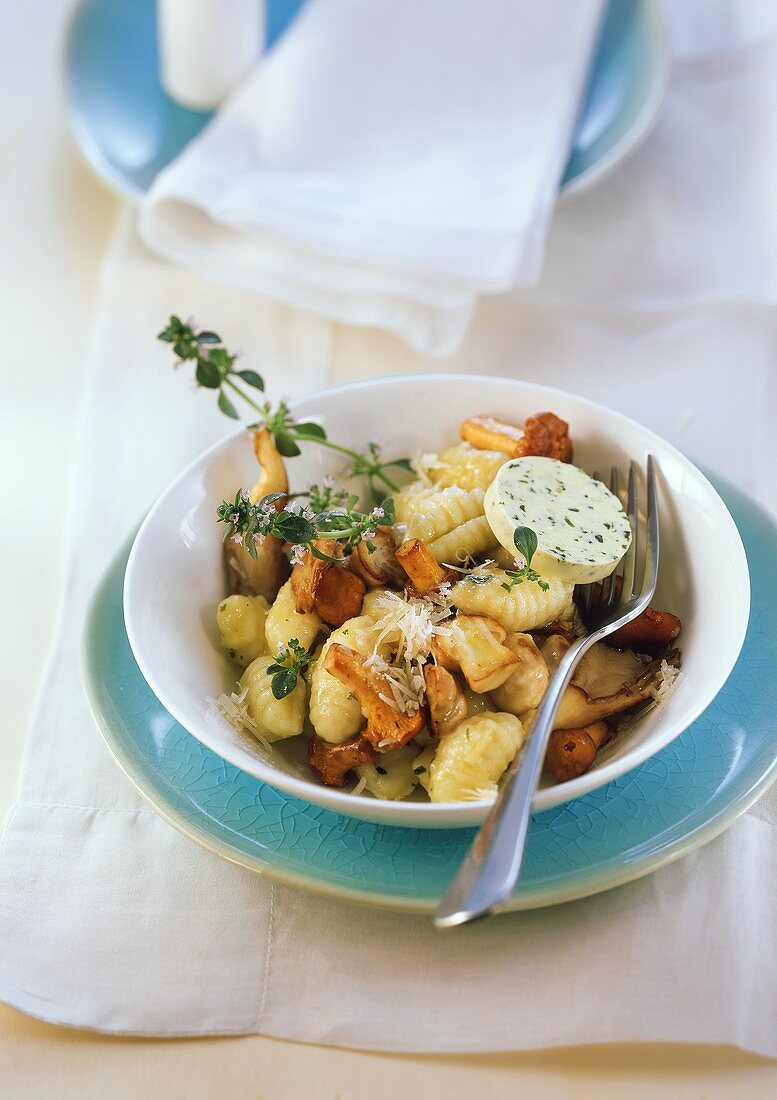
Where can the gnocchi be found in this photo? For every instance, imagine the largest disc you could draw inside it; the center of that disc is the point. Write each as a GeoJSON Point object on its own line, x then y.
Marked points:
{"type": "Point", "coordinates": [470, 759]}
{"type": "Point", "coordinates": [284, 622]}
{"type": "Point", "coordinates": [242, 622]}
{"type": "Point", "coordinates": [517, 607]}
{"type": "Point", "coordinates": [275, 719]}
{"type": "Point", "coordinates": [407, 643]}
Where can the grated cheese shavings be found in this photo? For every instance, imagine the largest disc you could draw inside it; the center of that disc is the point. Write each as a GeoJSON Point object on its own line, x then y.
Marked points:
{"type": "Point", "coordinates": [666, 682]}
{"type": "Point", "coordinates": [408, 627]}
{"type": "Point", "coordinates": [234, 709]}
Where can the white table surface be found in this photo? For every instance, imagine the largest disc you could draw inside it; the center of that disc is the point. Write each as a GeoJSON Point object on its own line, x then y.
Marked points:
{"type": "Point", "coordinates": [56, 220]}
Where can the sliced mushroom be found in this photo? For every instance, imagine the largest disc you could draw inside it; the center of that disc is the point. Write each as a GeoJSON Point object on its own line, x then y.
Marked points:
{"type": "Point", "coordinates": [446, 698]}
{"type": "Point", "coordinates": [263, 575]}
{"type": "Point", "coordinates": [387, 728]}
{"type": "Point", "coordinates": [339, 595]}
{"type": "Point", "coordinates": [378, 566]}
{"type": "Point", "coordinates": [606, 681]}
{"type": "Point", "coordinates": [526, 685]}
{"type": "Point", "coordinates": [571, 753]}
{"type": "Point", "coordinates": [332, 763]}
{"type": "Point", "coordinates": [473, 643]}
{"type": "Point", "coordinates": [421, 566]}
{"type": "Point", "coordinates": [648, 633]}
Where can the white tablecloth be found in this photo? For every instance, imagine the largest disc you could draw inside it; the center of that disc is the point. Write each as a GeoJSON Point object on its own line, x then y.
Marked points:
{"type": "Point", "coordinates": [110, 920]}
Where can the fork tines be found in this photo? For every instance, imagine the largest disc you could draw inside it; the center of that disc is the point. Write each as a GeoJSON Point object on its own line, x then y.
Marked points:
{"type": "Point", "coordinates": [627, 580]}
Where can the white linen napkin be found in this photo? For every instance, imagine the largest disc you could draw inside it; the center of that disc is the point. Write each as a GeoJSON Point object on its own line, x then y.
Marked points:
{"type": "Point", "coordinates": [387, 163]}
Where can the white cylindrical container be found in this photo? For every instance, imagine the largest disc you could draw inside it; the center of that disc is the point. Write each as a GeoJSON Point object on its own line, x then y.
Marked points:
{"type": "Point", "coordinates": [206, 47]}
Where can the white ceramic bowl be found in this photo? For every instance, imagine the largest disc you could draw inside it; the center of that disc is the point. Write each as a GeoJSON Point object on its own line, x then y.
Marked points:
{"type": "Point", "coordinates": [175, 576]}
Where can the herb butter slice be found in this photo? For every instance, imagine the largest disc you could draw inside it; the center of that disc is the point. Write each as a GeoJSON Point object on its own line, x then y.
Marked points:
{"type": "Point", "coordinates": [581, 528]}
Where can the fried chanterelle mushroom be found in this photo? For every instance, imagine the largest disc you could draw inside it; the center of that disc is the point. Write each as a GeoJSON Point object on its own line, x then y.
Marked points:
{"type": "Point", "coordinates": [264, 574]}
{"type": "Point", "coordinates": [570, 753]}
{"type": "Point", "coordinates": [333, 763]}
{"type": "Point", "coordinates": [387, 727]}
{"type": "Point", "coordinates": [544, 434]}
{"type": "Point", "coordinates": [330, 589]}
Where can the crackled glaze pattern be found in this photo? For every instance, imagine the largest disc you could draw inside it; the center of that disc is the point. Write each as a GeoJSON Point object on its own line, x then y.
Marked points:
{"type": "Point", "coordinates": [681, 796]}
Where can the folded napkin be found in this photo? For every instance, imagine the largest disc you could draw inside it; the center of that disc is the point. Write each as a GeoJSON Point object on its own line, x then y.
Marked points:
{"type": "Point", "coordinates": [387, 163]}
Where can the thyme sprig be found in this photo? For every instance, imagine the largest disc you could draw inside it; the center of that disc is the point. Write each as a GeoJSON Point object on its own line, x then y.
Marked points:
{"type": "Point", "coordinates": [214, 370]}
{"type": "Point", "coordinates": [214, 365]}
{"type": "Point", "coordinates": [526, 544]}
{"type": "Point", "coordinates": [250, 524]}
{"type": "Point", "coordinates": [287, 668]}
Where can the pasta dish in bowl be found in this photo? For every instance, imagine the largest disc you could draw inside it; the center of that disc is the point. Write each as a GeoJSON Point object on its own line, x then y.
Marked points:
{"type": "Point", "coordinates": [376, 640]}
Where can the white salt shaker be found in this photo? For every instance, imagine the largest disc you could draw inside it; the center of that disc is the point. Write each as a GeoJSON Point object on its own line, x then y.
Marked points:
{"type": "Point", "coordinates": [206, 47]}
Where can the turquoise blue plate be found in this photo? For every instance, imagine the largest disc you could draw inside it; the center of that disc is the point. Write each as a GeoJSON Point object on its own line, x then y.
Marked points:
{"type": "Point", "coordinates": [128, 129]}
{"type": "Point", "coordinates": [679, 799]}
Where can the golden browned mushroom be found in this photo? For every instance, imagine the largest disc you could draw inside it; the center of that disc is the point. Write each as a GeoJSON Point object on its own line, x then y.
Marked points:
{"type": "Point", "coordinates": [305, 577]}
{"type": "Point", "coordinates": [339, 595]}
{"type": "Point", "coordinates": [446, 698]}
{"type": "Point", "coordinates": [387, 727]}
{"type": "Point", "coordinates": [263, 575]}
{"type": "Point", "coordinates": [648, 633]}
{"type": "Point", "coordinates": [379, 567]}
{"type": "Point", "coordinates": [571, 753]}
{"type": "Point", "coordinates": [489, 433]}
{"type": "Point", "coordinates": [543, 434]}
{"type": "Point", "coordinates": [525, 686]}
{"type": "Point", "coordinates": [332, 763]}
{"type": "Point", "coordinates": [473, 643]}
{"type": "Point", "coordinates": [606, 681]}
{"type": "Point", "coordinates": [548, 435]}
{"type": "Point", "coordinates": [421, 566]}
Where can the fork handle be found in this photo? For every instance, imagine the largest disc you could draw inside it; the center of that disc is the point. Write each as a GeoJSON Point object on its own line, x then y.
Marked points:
{"type": "Point", "coordinates": [490, 870]}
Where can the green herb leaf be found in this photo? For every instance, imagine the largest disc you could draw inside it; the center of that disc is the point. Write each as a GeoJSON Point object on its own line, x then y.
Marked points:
{"type": "Point", "coordinates": [403, 463]}
{"type": "Point", "coordinates": [294, 528]}
{"type": "Point", "coordinates": [286, 445]}
{"type": "Point", "coordinates": [221, 359]}
{"type": "Point", "coordinates": [525, 543]}
{"type": "Point", "coordinates": [287, 668]}
{"type": "Point", "coordinates": [284, 682]}
{"type": "Point", "coordinates": [309, 430]}
{"type": "Point", "coordinates": [207, 375]}
{"type": "Point", "coordinates": [227, 407]}
{"type": "Point", "coordinates": [252, 378]}
{"type": "Point", "coordinates": [208, 338]}
{"type": "Point", "coordinates": [518, 576]}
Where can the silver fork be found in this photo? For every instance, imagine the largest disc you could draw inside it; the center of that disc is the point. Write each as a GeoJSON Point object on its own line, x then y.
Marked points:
{"type": "Point", "coordinates": [490, 870]}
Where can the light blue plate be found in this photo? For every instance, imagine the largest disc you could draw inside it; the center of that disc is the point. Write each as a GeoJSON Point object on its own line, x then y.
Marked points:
{"type": "Point", "coordinates": [128, 129]}
{"type": "Point", "coordinates": [679, 799]}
